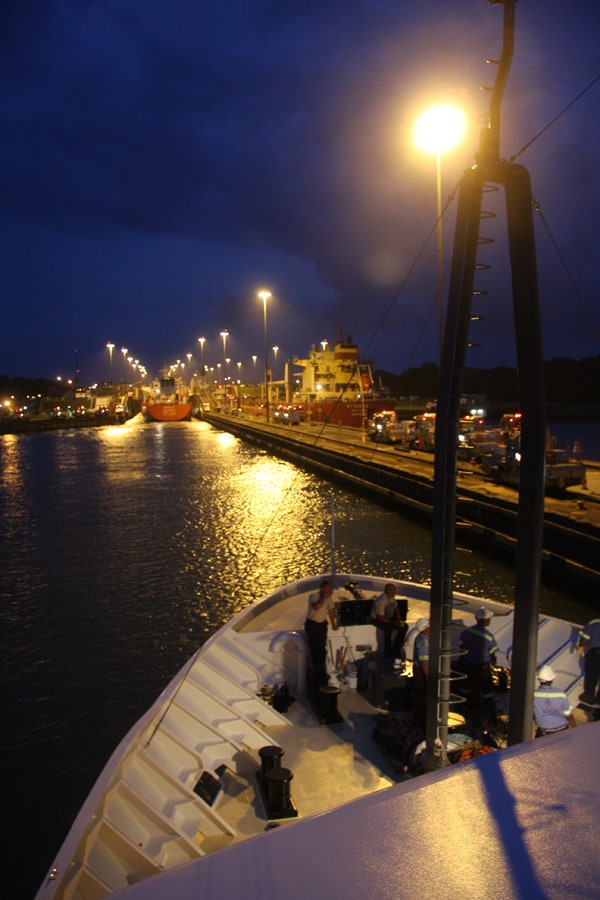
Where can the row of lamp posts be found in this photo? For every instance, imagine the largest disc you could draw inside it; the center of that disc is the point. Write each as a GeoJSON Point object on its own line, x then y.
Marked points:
{"type": "Point", "coordinates": [437, 130]}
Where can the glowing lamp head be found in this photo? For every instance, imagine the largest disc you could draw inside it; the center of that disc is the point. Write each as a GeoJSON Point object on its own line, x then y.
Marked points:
{"type": "Point", "coordinates": [439, 129]}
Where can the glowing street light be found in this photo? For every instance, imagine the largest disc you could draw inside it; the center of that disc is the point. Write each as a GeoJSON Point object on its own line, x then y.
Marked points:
{"type": "Point", "coordinates": [124, 351]}
{"type": "Point", "coordinates": [438, 130]}
{"type": "Point", "coordinates": [201, 341]}
{"type": "Point", "coordinates": [110, 347]}
{"type": "Point", "coordinates": [275, 349]}
{"type": "Point", "coordinates": [264, 296]}
{"type": "Point", "coordinates": [224, 335]}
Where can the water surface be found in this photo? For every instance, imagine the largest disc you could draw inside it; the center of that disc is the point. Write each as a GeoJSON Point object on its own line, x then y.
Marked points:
{"type": "Point", "coordinates": [122, 549]}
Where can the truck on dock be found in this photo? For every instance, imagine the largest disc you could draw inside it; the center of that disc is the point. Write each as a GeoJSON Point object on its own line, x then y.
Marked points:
{"type": "Point", "coordinates": [504, 462]}
{"type": "Point", "coordinates": [386, 428]}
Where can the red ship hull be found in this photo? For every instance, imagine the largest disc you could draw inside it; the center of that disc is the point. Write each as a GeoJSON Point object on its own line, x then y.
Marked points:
{"type": "Point", "coordinates": [167, 412]}
{"type": "Point", "coordinates": [352, 413]}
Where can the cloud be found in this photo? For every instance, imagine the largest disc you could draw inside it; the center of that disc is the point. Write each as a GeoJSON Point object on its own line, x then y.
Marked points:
{"type": "Point", "coordinates": [270, 142]}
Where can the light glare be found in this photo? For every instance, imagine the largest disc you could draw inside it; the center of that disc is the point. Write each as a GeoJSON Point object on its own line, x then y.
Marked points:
{"type": "Point", "coordinates": [439, 129]}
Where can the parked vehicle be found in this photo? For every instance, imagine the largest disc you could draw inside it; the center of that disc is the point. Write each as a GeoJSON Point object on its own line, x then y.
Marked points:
{"type": "Point", "coordinates": [386, 428]}
{"type": "Point", "coordinates": [289, 415]}
{"type": "Point", "coordinates": [425, 436]}
{"type": "Point", "coordinates": [504, 462]}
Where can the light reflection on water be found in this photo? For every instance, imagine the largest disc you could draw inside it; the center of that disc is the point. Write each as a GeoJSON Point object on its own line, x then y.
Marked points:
{"type": "Point", "coordinates": [122, 549]}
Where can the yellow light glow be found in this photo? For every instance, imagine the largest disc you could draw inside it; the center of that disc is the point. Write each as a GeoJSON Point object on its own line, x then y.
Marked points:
{"type": "Point", "coordinates": [439, 129]}
{"type": "Point", "coordinates": [227, 440]}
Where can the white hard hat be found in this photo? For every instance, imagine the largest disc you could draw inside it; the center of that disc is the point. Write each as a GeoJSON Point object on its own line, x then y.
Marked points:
{"type": "Point", "coordinates": [546, 673]}
{"type": "Point", "coordinates": [422, 624]}
{"type": "Point", "coordinates": [483, 613]}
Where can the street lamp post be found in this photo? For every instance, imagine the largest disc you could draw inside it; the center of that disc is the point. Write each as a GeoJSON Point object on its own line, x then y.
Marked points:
{"type": "Point", "coordinates": [224, 335]}
{"type": "Point", "coordinates": [201, 341]}
{"type": "Point", "coordinates": [110, 347]}
{"type": "Point", "coordinates": [124, 351]}
{"type": "Point", "coordinates": [264, 296]}
{"type": "Point", "coordinates": [275, 349]}
{"type": "Point", "coordinates": [439, 130]}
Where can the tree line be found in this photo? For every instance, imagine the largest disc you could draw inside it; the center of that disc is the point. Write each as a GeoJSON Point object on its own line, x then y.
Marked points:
{"type": "Point", "coordinates": [568, 381]}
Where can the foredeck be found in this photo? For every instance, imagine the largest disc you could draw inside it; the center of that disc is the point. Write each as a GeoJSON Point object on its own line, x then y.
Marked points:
{"type": "Point", "coordinates": [190, 781]}
{"type": "Point", "coordinates": [330, 765]}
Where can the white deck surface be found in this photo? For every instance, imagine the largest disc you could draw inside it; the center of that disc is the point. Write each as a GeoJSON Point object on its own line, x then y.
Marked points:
{"type": "Point", "coordinates": [214, 722]}
{"type": "Point", "coordinates": [522, 822]}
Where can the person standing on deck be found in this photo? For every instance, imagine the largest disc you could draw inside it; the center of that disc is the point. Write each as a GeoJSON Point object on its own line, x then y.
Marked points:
{"type": "Point", "coordinates": [320, 609]}
{"type": "Point", "coordinates": [478, 655]}
{"type": "Point", "coordinates": [551, 707]}
{"type": "Point", "coordinates": [386, 617]}
{"type": "Point", "coordinates": [589, 643]}
{"type": "Point", "coordinates": [421, 671]}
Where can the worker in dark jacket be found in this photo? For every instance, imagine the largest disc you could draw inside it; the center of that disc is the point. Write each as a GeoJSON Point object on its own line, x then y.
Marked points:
{"type": "Point", "coordinates": [478, 654]}
{"type": "Point", "coordinates": [386, 616]}
{"type": "Point", "coordinates": [421, 671]}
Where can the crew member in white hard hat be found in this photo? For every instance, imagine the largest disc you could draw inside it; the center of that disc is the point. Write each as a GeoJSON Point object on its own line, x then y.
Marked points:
{"type": "Point", "coordinates": [478, 654]}
{"type": "Point", "coordinates": [420, 671]}
{"type": "Point", "coordinates": [551, 707]}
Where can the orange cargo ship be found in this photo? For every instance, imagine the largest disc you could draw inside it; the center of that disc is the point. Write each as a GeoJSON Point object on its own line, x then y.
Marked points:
{"type": "Point", "coordinates": [169, 403]}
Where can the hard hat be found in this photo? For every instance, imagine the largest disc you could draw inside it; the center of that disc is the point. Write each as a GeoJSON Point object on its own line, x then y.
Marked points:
{"type": "Point", "coordinates": [546, 673]}
{"type": "Point", "coordinates": [422, 624]}
{"type": "Point", "coordinates": [483, 613]}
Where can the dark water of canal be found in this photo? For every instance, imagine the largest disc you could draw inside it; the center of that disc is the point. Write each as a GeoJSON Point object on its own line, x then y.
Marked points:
{"type": "Point", "coordinates": [121, 550]}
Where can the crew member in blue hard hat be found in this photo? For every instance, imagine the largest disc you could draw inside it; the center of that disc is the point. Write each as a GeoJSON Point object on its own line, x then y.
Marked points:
{"type": "Point", "coordinates": [551, 707]}
{"type": "Point", "coordinates": [478, 654]}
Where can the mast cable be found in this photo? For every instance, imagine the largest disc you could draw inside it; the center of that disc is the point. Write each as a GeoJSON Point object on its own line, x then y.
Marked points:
{"type": "Point", "coordinates": [555, 119]}
{"type": "Point", "coordinates": [576, 291]}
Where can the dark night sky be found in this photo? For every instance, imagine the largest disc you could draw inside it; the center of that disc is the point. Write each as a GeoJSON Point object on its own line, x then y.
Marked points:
{"type": "Point", "coordinates": [163, 161]}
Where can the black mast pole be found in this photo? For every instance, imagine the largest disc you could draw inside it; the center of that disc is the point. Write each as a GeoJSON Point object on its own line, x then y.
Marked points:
{"type": "Point", "coordinates": [489, 168]}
